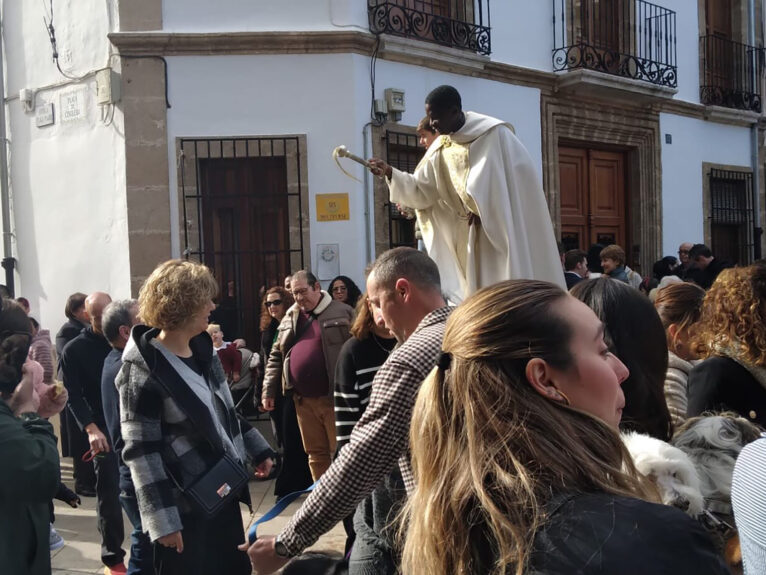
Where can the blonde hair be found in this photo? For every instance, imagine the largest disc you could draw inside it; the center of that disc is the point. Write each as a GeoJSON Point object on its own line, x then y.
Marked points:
{"type": "Point", "coordinates": [734, 316]}
{"type": "Point", "coordinates": [488, 451]}
{"type": "Point", "coordinates": [213, 327]}
{"type": "Point", "coordinates": [175, 291]}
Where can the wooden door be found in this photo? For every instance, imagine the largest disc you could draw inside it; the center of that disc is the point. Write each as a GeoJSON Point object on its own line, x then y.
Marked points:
{"type": "Point", "coordinates": [719, 52]}
{"type": "Point", "coordinates": [592, 184]}
{"type": "Point", "coordinates": [245, 235]}
{"type": "Point", "coordinates": [718, 18]}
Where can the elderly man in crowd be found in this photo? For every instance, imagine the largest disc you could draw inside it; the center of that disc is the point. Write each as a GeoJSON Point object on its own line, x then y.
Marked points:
{"type": "Point", "coordinates": [82, 363]}
{"type": "Point", "coordinates": [303, 359]}
{"type": "Point", "coordinates": [118, 319]}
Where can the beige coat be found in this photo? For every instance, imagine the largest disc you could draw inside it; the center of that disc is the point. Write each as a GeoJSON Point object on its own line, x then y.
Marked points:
{"type": "Point", "coordinates": [335, 319]}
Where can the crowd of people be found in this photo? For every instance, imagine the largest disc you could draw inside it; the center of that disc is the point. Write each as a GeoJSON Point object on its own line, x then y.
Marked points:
{"type": "Point", "coordinates": [472, 439]}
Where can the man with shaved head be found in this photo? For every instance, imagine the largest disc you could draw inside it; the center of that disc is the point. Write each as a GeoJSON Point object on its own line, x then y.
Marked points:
{"type": "Point", "coordinates": [82, 362]}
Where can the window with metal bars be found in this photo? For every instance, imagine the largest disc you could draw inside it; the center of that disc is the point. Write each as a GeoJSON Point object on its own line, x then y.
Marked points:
{"type": "Point", "coordinates": [732, 230]}
{"type": "Point", "coordinates": [403, 153]}
{"type": "Point", "coordinates": [244, 203]}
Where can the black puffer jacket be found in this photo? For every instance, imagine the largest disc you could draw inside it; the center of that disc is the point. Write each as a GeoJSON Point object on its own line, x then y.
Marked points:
{"type": "Point", "coordinates": [601, 534]}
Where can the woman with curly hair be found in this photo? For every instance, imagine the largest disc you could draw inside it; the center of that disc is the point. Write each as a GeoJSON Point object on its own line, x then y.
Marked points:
{"type": "Point", "coordinates": [515, 447]}
{"type": "Point", "coordinates": [343, 289]}
{"type": "Point", "coordinates": [732, 338]}
{"type": "Point", "coordinates": [294, 472]}
{"type": "Point", "coordinates": [178, 423]}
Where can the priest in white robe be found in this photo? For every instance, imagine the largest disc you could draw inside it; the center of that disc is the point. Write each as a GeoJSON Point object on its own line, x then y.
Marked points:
{"type": "Point", "coordinates": [478, 200]}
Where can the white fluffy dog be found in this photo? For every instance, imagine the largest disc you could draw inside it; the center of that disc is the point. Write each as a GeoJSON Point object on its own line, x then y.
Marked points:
{"type": "Point", "coordinates": [670, 469]}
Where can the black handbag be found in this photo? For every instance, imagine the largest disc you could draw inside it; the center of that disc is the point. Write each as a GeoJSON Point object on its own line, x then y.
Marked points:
{"type": "Point", "coordinates": [212, 490]}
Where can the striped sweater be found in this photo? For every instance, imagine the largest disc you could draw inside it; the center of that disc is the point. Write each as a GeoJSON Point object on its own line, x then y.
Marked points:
{"type": "Point", "coordinates": [748, 498]}
{"type": "Point", "coordinates": [358, 362]}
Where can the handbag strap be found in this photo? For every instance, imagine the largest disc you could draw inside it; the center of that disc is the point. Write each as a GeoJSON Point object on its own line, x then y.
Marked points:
{"type": "Point", "coordinates": [280, 506]}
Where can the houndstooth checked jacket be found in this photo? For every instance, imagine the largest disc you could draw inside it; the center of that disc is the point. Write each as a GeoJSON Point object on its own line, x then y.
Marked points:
{"type": "Point", "coordinates": [164, 433]}
{"type": "Point", "coordinates": [377, 441]}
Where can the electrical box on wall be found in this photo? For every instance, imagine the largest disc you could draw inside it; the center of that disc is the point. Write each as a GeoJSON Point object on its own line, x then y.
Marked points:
{"type": "Point", "coordinates": [395, 100]}
{"type": "Point", "coordinates": [107, 86]}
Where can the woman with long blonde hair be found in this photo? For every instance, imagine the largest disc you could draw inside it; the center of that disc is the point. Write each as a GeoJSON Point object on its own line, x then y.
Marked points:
{"type": "Point", "coordinates": [732, 339]}
{"type": "Point", "coordinates": [515, 449]}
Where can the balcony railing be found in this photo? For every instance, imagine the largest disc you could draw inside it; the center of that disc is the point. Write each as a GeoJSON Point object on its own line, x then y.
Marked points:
{"type": "Point", "coordinates": [731, 74]}
{"type": "Point", "coordinates": [630, 38]}
{"type": "Point", "coordinates": [456, 23]}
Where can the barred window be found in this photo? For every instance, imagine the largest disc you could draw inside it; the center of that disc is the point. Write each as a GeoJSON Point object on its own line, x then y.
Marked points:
{"type": "Point", "coordinates": [403, 153]}
{"type": "Point", "coordinates": [732, 229]}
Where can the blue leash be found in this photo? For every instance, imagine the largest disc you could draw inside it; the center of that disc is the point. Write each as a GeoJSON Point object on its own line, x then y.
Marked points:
{"type": "Point", "coordinates": [280, 506]}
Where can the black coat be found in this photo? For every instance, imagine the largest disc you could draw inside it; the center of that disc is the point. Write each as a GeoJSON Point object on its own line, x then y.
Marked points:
{"type": "Point", "coordinates": [572, 279]}
{"type": "Point", "coordinates": [70, 330]}
{"type": "Point", "coordinates": [722, 384]}
{"type": "Point", "coordinates": [601, 534]}
{"type": "Point", "coordinates": [82, 362]}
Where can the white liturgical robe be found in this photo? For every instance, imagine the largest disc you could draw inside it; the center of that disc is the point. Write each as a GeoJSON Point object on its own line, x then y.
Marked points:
{"type": "Point", "coordinates": [481, 170]}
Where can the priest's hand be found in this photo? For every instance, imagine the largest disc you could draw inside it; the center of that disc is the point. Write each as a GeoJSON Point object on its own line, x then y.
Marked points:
{"type": "Point", "coordinates": [379, 168]}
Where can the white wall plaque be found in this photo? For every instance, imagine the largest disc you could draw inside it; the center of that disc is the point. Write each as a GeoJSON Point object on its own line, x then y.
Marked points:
{"type": "Point", "coordinates": [72, 106]}
{"type": "Point", "coordinates": [328, 261]}
{"type": "Point", "coordinates": [44, 115]}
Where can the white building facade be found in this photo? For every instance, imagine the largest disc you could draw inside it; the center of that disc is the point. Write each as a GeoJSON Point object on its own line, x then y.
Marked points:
{"type": "Point", "coordinates": [210, 135]}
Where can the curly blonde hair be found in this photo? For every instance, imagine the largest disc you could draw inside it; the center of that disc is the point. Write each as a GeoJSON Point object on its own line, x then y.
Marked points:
{"type": "Point", "coordinates": [175, 291]}
{"type": "Point", "coordinates": [734, 316]}
{"type": "Point", "coordinates": [488, 451]}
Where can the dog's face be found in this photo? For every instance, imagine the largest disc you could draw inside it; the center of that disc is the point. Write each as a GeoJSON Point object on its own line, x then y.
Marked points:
{"type": "Point", "coordinates": [670, 469]}
{"type": "Point", "coordinates": [713, 443]}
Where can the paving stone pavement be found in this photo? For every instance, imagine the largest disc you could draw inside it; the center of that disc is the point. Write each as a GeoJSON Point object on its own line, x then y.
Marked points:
{"type": "Point", "coordinates": [82, 551]}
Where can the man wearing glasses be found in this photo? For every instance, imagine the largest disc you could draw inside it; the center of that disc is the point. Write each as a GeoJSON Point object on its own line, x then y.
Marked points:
{"type": "Point", "coordinates": [683, 257]}
{"type": "Point", "coordinates": [303, 360]}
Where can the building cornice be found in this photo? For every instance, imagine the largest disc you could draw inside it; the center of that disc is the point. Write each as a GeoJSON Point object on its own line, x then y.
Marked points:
{"type": "Point", "coordinates": [402, 50]}
{"type": "Point", "coordinates": [223, 43]}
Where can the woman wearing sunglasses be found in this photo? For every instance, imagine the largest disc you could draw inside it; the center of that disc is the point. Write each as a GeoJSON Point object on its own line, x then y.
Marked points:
{"type": "Point", "coordinates": [294, 474]}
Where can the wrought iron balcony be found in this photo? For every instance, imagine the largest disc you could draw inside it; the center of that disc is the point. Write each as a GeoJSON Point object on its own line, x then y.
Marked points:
{"type": "Point", "coordinates": [456, 23]}
{"type": "Point", "coordinates": [629, 38]}
{"type": "Point", "coordinates": [731, 74]}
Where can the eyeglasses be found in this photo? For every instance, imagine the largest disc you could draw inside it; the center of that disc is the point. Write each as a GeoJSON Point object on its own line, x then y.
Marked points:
{"type": "Point", "coordinates": [682, 252]}
{"type": "Point", "coordinates": [275, 302]}
{"type": "Point", "coordinates": [300, 292]}
{"type": "Point", "coordinates": [338, 289]}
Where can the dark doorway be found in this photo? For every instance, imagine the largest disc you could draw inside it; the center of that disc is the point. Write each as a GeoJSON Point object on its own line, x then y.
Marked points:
{"type": "Point", "coordinates": [244, 208]}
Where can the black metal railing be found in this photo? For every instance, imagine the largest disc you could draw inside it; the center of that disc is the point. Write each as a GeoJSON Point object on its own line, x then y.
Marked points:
{"type": "Point", "coordinates": [731, 74]}
{"type": "Point", "coordinates": [732, 229]}
{"type": "Point", "coordinates": [630, 38]}
{"type": "Point", "coordinates": [456, 23]}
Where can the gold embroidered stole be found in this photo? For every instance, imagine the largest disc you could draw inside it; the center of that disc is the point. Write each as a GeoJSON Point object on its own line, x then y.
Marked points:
{"type": "Point", "coordinates": [455, 166]}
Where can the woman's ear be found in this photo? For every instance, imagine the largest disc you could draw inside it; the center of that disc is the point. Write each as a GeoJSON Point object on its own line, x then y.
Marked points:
{"type": "Point", "coordinates": [540, 377]}
{"type": "Point", "coordinates": [673, 330]}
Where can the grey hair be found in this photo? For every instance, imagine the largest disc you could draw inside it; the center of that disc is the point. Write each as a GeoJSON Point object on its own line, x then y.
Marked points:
{"type": "Point", "coordinates": [116, 314]}
{"type": "Point", "coordinates": [407, 263]}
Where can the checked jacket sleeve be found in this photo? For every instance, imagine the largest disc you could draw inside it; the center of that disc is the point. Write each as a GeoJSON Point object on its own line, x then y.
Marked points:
{"type": "Point", "coordinates": [377, 442]}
